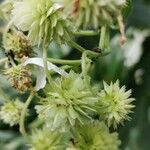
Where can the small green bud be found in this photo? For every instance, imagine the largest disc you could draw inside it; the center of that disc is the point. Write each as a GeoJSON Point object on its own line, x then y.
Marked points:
{"type": "Point", "coordinates": [20, 77]}
{"type": "Point", "coordinates": [115, 104]}
{"type": "Point", "coordinates": [10, 112]}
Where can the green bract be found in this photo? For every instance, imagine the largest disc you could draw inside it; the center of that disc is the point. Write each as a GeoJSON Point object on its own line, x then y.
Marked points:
{"type": "Point", "coordinates": [43, 20]}
{"type": "Point", "coordinates": [10, 112]}
{"type": "Point", "coordinates": [95, 136]}
{"type": "Point", "coordinates": [44, 139]}
{"type": "Point", "coordinates": [115, 104]}
{"type": "Point", "coordinates": [68, 102]}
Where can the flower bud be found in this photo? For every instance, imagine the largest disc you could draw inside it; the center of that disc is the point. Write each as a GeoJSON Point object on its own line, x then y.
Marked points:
{"type": "Point", "coordinates": [10, 112]}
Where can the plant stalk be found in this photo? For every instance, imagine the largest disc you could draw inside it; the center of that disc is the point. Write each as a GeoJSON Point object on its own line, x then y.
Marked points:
{"type": "Point", "coordinates": [86, 33]}
{"type": "Point", "coordinates": [64, 62]}
{"type": "Point", "coordinates": [23, 115]}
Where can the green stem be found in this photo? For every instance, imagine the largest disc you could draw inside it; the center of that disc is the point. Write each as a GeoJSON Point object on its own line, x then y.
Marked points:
{"type": "Point", "coordinates": [12, 61]}
{"type": "Point", "coordinates": [64, 62]}
{"type": "Point", "coordinates": [102, 37]}
{"type": "Point", "coordinates": [85, 33]}
{"type": "Point", "coordinates": [23, 114]}
{"type": "Point", "coordinates": [77, 46]}
{"type": "Point", "coordinates": [81, 49]}
{"type": "Point", "coordinates": [3, 60]}
{"type": "Point", "coordinates": [84, 64]}
{"type": "Point", "coordinates": [45, 63]}
{"type": "Point", "coordinates": [123, 38]}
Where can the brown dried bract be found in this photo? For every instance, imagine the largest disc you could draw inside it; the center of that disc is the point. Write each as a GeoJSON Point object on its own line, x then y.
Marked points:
{"type": "Point", "coordinates": [76, 7]}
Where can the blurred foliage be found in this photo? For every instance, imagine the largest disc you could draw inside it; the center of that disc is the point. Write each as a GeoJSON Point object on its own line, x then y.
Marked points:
{"type": "Point", "coordinates": [135, 135]}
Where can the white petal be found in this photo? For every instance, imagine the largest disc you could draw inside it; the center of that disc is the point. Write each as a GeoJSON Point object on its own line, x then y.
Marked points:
{"type": "Point", "coordinates": [40, 80]}
{"type": "Point", "coordinates": [41, 76]}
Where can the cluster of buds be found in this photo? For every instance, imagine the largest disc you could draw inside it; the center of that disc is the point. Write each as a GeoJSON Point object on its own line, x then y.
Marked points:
{"type": "Point", "coordinates": [90, 136]}
{"type": "Point", "coordinates": [20, 77]}
{"type": "Point", "coordinates": [72, 101]}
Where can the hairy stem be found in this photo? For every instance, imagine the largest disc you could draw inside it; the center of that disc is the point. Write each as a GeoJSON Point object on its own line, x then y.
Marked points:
{"type": "Point", "coordinates": [86, 33]}
{"type": "Point", "coordinates": [123, 38]}
{"type": "Point", "coordinates": [45, 63]}
{"type": "Point", "coordinates": [23, 115]}
{"type": "Point", "coordinates": [81, 49]}
{"type": "Point", "coordinates": [76, 46]}
{"type": "Point", "coordinates": [64, 62]}
{"type": "Point", "coordinates": [102, 37]}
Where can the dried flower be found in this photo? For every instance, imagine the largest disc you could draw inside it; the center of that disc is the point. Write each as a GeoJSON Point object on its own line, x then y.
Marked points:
{"type": "Point", "coordinates": [95, 136]}
{"type": "Point", "coordinates": [45, 139]}
{"type": "Point", "coordinates": [20, 77]}
{"type": "Point", "coordinates": [18, 44]}
{"type": "Point", "coordinates": [68, 102]}
{"type": "Point", "coordinates": [115, 104]}
{"type": "Point", "coordinates": [10, 112]}
{"type": "Point", "coordinates": [43, 20]}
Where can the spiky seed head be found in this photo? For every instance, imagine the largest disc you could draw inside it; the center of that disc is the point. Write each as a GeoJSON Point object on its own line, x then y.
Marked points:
{"type": "Point", "coordinates": [68, 102]}
{"type": "Point", "coordinates": [115, 104]}
{"type": "Point", "coordinates": [20, 77]}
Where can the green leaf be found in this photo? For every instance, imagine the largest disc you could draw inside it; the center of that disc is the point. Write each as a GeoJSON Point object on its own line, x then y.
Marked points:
{"type": "Point", "coordinates": [127, 9]}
